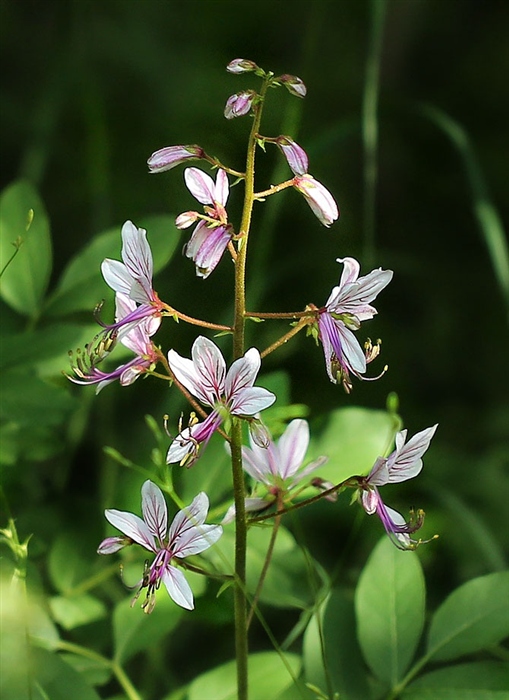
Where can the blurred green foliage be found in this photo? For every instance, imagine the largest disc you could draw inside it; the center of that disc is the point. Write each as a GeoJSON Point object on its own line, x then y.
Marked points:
{"type": "Point", "coordinates": [89, 89]}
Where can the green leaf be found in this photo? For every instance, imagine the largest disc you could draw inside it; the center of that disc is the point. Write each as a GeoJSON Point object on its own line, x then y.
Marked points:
{"type": "Point", "coordinates": [77, 610]}
{"type": "Point", "coordinates": [390, 605]}
{"type": "Point", "coordinates": [82, 286]}
{"type": "Point", "coordinates": [269, 677]}
{"type": "Point", "coordinates": [25, 279]}
{"type": "Point", "coordinates": [53, 678]}
{"type": "Point", "coordinates": [134, 631]}
{"type": "Point", "coordinates": [474, 617]}
{"type": "Point", "coordinates": [353, 438]}
{"type": "Point", "coordinates": [486, 680]}
{"type": "Point", "coordinates": [343, 658]}
{"type": "Point", "coordinates": [67, 567]}
{"type": "Point", "coordinates": [28, 400]}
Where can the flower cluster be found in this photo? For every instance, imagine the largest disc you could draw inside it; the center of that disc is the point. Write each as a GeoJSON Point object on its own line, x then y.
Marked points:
{"type": "Point", "coordinates": [224, 398]}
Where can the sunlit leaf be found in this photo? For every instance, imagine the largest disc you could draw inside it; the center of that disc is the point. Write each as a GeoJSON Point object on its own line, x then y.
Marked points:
{"type": "Point", "coordinates": [343, 659]}
{"type": "Point", "coordinates": [71, 612]}
{"type": "Point", "coordinates": [484, 680]}
{"type": "Point", "coordinates": [269, 677]}
{"type": "Point", "coordinates": [82, 286]}
{"type": "Point", "coordinates": [474, 617]}
{"type": "Point", "coordinates": [25, 279]}
{"type": "Point", "coordinates": [390, 605]}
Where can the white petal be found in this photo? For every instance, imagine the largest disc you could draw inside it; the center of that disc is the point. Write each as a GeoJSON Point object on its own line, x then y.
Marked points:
{"type": "Point", "coordinates": [201, 185]}
{"type": "Point", "coordinates": [352, 351]}
{"type": "Point", "coordinates": [190, 517]}
{"type": "Point", "coordinates": [351, 269]}
{"type": "Point", "coordinates": [137, 257]}
{"type": "Point", "coordinates": [185, 372]}
{"type": "Point", "coordinates": [210, 367]}
{"type": "Point", "coordinates": [292, 447]}
{"type": "Point", "coordinates": [178, 588]}
{"type": "Point", "coordinates": [405, 462]}
{"type": "Point", "coordinates": [221, 188]}
{"type": "Point", "coordinates": [132, 526]}
{"type": "Point", "coordinates": [250, 401]}
{"type": "Point", "coordinates": [155, 512]}
{"type": "Point", "coordinates": [116, 276]}
{"type": "Point", "coordinates": [197, 539]}
{"type": "Point", "coordinates": [243, 372]}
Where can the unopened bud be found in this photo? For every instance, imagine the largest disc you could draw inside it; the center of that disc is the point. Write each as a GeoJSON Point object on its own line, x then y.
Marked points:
{"type": "Point", "coordinates": [293, 84]}
{"type": "Point", "coordinates": [167, 158]}
{"type": "Point", "coordinates": [239, 104]}
{"type": "Point", "coordinates": [295, 155]}
{"type": "Point", "coordinates": [259, 433]}
{"type": "Point", "coordinates": [186, 219]}
{"type": "Point", "coordinates": [241, 65]}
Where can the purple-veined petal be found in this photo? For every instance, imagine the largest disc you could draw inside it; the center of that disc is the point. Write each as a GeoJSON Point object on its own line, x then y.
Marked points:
{"type": "Point", "coordinates": [339, 340]}
{"type": "Point", "coordinates": [222, 188]}
{"type": "Point", "coordinates": [405, 462]}
{"type": "Point", "coordinates": [354, 297]}
{"type": "Point", "coordinates": [185, 448]}
{"type": "Point", "coordinates": [111, 545]}
{"type": "Point", "coordinates": [137, 258]}
{"type": "Point", "coordinates": [309, 469]}
{"type": "Point", "coordinates": [318, 197]}
{"type": "Point", "coordinates": [257, 463]}
{"type": "Point", "coordinates": [198, 238]}
{"type": "Point", "coordinates": [132, 526]}
{"type": "Point", "coordinates": [243, 372]}
{"type": "Point", "coordinates": [131, 374]}
{"type": "Point", "coordinates": [295, 155]}
{"type": "Point", "coordinates": [379, 474]}
{"type": "Point", "coordinates": [178, 588]}
{"type": "Point", "coordinates": [210, 367]}
{"type": "Point", "coordinates": [167, 158]}
{"type": "Point", "coordinates": [211, 250]}
{"type": "Point", "coordinates": [293, 445]}
{"type": "Point", "coordinates": [116, 276]}
{"type": "Point", "coordinates": [239, 104]}
{"type": "Point", "coordinates": [351, 269]}
{"type": "Point", "coordinates": [186, 219]}
{"type": "Point", "coordinates": [187, 374]}
{"type": "Point", "coordinates": [190, 517]}
{"type": "Point", "coordinates": [370, 500]}
{"type": "Point", "coordinates": [201, 185]}
{"type": "Point", "coordinates": [250, 401]}
{"type": "Point", "coordinates": [155, 512]}
{"type": "Point", "coordinates": [197, 540]}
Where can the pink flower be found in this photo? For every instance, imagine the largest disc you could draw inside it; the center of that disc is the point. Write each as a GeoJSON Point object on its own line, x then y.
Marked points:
{"type": "Point", "coordinates": [186, 536]}
{"type": "Point", "coordinates": [213, 232]}
{"type": "Point", "coordinates": [167, 158]}
{"type": "Point", "coordinates": [402, 464]}
{"type": "Point", "coordinates": [228, 393]}
{"type": "Point", "coordinates": [133, 277]}
{"type": "Point", "coordinates": [318, 197]}
{"type": "Point", "coordinates": [278, 465]}
{"type": "Point", "coordinates": [347, 306]}
{"type": "Point", "coordinates": [136, 338]}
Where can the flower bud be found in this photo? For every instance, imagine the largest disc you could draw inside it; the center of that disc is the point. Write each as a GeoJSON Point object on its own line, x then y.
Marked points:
{"type": "Point", "coordinates": [186, 219]}
{"type": "Point", "coordinates": [167, 158]}
{"type": "Point", "coordinates": [259, 433]}
{"type": "Point", "coordinates": [241, 65]}
{"type": "Point", "coordinates": [293, 84]}
{"type": "Point", "coordinates": [294, 154]}
{"type": "Point", "coordinates": [318, 197]}
{"type": "Point", "coordinates": [239, 104]}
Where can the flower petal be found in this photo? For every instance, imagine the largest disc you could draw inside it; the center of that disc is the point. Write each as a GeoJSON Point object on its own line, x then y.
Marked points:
{"type": "Point", "coordinates": [222, 187]}
{"type": "Point", "coordinates": [210, 366]}
{"type": "Point", "coordinates": [242, 373]}
{"type": "Point", "coordinates": [132, 526]}
{"type": "Point", "coordinates": [137, 257]}
{"type": "Point", "coordinates": [155, 512]}
{"type": "Point", "coordinates": [111, 545]}
{"type": "Point", "coordinates": [187, 374]}
{"type": "Point", "coordinates": [293, 444]}
{"type": "Point", "coordinates": [201, 185]}
{"type": "Point", "coordinates": [178, 588]}
{"type": "Point", "coordinates": [116, 276]}
{"type": "Point", "coordinates": [248, 402]}
{"type": "Point", "coordinates": [405, 462]}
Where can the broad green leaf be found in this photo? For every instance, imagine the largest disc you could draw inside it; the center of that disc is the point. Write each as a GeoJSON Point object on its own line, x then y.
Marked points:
{"type": "Point", "coordinates": [474, 617]}
{"type": "Point", "coordinates": [34, 347]}
{"type": "Point", "coordinates": [287, 580]}
{"type": "Point", "coordinates": [269, 677]}
{"type": "Point", "coordinates": [343, 658]}
{"type": "Point", "coordinates": [53, 679]}
{"type": "Point", "coordinates": [25, 279]}
{"type": "Point", "coordinates": [93, 671]}
{"type": "Point", "coordinates": [28, 400]}
{"type": "Point", "coordinates": [82, 285]}
{"type": "Point", "coordinates": [134, 631]}
{"type": "Point", "coordinates": [484, 680]}
{"type": "Point", "coordinates": [71, 612]}
{"type": "Point", "coordinates": [390, 605]}
{"type": "Point", "coordinates": [67, 567]}
{"type": "Point", "coordinates": [352, 439]}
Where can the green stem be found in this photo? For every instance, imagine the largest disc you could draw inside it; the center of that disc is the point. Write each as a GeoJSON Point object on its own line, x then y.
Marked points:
{"type": "Point", "coordinates": [266, 564]}
{"type": "Point", "coordinates": [241, 645]}
{"type": "Point", "coordinates": [286, 337]}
